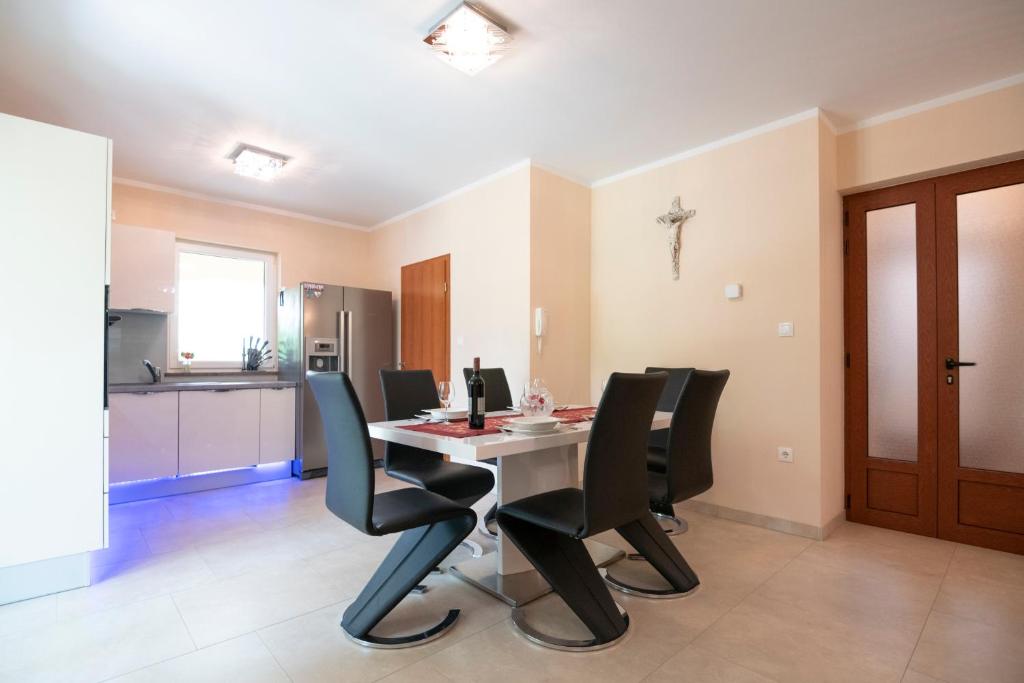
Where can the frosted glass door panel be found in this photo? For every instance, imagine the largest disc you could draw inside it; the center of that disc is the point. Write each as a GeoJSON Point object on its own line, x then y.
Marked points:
{"type": "Point", "coordinates": [990, 286]}
{"type": "Point", "coordinates": [892, 332]}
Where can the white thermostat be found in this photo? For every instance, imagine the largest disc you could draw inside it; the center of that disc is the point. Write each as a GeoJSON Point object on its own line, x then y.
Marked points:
{"type": "Point", "coordinates": [785, 329]}
{"type": "Point", "coordinates": [733, 291]}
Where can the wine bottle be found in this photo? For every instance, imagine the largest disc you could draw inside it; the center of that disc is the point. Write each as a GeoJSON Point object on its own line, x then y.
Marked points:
{"type": "Point", "coordinates": [475, 391]}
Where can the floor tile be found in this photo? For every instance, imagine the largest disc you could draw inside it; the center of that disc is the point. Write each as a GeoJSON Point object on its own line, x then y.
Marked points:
{"type": "Point", "coordinates": [881, 552]}
{"type": "Point", "coordinates": [126, 582]}
{"type": "Point", "coordinates": [245, 660]}
{"type": "Point", "coordinates": [992, 565]}
{"type": "Point", "coordinates": [226, 608]}
{"type": "Point", "coordinates": [126, 544]}
{"type": "Point", "coordinates": [856, 598]}
{"type": "Point", "coordinates": [695, 665]}
{"type": "Point", "coordinates": [139, 513]}
{"type": "Point", "coordinates": [182, 534]}
{"type": "Point", "coordinates": [958, 650]}
{"type": "Point", "coordinates": [973, 597]}
{"type": "Point", "coordinates": [26, 615]}
{"type": "Point", "coordinates": [788, 643]}
{"type": "Point", "coordinates": [314, 648]}
{"type": "Point", "coordinates": [912, 676]}
{"type": "Point", "coordinates": [97, 647]}
{"type": "Point", "coordinates": [501, 653]}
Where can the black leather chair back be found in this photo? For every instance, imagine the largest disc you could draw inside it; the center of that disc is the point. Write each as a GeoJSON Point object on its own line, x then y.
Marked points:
{"type": "Point", "coordinates": [349, 454]}
{"type": "Point", "coordinates": [406, 393]}
{"type": "Point", "coordinates": [615, 474]}
{"type": "Point", "coordinates": [496, 392]}
{"type": "Point", "coordinates": [689, 443]}
{"type": "Point", "coordinates": [667, 401]}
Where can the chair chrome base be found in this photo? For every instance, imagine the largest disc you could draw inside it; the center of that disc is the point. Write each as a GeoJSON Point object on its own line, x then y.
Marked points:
{"type": "Point", "coordinates": [473, 547]}
{"type": "Point", "coordinates": [556, 643]}
{"type": "Point", "coordinates": [399, 642]}
{"type": "Point", "coordinates": [670, 524]}
{"type": "Point", "coordinates": [652, 593]}
{"type": "Point", "coordinates": [488, 527]}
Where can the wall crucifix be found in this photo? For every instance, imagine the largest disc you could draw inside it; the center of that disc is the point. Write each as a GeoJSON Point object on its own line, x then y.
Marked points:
{"type": "Point", "coordinates": [673, 221]}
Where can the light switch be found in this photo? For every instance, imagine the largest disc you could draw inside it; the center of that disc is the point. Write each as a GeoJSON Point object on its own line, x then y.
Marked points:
{"type": "Point", "coordinates": [733, 291]}
{"type": "Point", "coordinates": [785, 329]}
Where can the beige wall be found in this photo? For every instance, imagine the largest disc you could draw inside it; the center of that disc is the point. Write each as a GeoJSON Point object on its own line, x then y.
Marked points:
{"type": "Point", "coordinates": [989, 127]}
{"type": "Point", "coordinates": [560, 284]}
{"type": "Point", "coordinates": [487, 232]}
{"type": "Point", "coordinates": [758, 222]}
{"type": "Point", "coordinates": [830, 306]}
{"type": "Point", "coordinates": [306, 250]}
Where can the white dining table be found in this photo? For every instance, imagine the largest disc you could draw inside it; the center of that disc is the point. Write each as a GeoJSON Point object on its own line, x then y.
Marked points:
{"type": "Point", "coordinates": [527, 465]}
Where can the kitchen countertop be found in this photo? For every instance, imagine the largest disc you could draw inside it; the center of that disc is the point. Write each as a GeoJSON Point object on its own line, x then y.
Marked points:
{"type": "Point", "coordinates": [202, 385]}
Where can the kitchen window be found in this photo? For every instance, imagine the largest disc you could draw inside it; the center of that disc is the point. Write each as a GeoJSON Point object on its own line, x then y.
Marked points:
{"type": "Point", "coordinates": [225, 296]}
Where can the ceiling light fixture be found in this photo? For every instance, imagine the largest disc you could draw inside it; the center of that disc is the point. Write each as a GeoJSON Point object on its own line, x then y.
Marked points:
{"type": "Point", "coordinates": [468, 39]}
{"type": "Point", "coordinates": [253, 162]}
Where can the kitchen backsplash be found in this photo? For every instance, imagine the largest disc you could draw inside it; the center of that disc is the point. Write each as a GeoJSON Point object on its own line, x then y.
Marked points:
{"type": "Point", "coordinates": [136, 336]}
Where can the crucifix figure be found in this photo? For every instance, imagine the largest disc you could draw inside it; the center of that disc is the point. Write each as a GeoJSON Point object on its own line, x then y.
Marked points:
{"type": "Point", "coordinates": [673, 220]}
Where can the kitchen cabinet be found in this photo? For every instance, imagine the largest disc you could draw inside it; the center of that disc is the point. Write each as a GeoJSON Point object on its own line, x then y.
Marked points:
{"type": "Point", "coordinates": [54, 215]}
{"type": "Point", "coordinates": [277, 424]}
{"type": "Point", "coordinates": [143, 436]}
{"type": "Point", "coordinates": [142, 269]}
{"type": "Point", "coordinates": [218, 429]}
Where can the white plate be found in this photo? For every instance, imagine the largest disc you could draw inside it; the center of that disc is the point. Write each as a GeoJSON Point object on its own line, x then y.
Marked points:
{"type": "Point", "coordinates": [509, 429]}
{"type": "Point", "coordinates": [453, 413]}
{"type": "Point", "coordinates": [536, 423]}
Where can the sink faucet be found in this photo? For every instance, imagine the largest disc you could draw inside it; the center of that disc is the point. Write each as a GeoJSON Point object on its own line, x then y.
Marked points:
{"type": "Point", "coordinates": [154, 371]}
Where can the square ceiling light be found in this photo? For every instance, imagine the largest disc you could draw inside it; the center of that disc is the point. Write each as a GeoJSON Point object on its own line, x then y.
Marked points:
{"type": "Point", "coordinates": [253, 162]}
{"type": "Point", "coordinates": [468, 39]}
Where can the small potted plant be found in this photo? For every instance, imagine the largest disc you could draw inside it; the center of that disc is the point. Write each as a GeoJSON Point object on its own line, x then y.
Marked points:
{"type": "Point", "coordinates": [186, 360]}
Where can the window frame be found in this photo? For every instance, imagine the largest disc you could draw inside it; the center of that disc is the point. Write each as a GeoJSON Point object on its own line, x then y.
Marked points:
{"type": "Point", "coordinates": [271, 286]}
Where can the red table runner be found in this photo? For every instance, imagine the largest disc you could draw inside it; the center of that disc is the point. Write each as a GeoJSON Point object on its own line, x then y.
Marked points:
{"type": "Point", "coordinates": [460, 428]}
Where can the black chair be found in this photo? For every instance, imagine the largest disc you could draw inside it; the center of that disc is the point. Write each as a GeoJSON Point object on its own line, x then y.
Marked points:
{"type": "Point", "coordinates": [657, 444]}
{"type": "Point", "coordinates": [431, 525]}
{"type": "Point", "coordinates": [682, 469]}
{"type": "Point", "coordinates": [549, 528]}
{"type": "Point", "coordinates": [406, 393]}
{"type": "Point", "coordinates": [496, 397]}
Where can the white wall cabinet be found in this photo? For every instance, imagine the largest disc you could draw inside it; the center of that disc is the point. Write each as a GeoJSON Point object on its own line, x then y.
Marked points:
{"type": "Point", "coordinates": [143, 436]}
{"type": "Point", "coordinates": [218, 430]}
{"type": "Point", "coordinates": [277, 425]}
{"type": "Point", "coordinates": [142, 265]}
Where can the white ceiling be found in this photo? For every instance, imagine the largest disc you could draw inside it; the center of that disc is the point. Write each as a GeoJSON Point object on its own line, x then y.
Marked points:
{"type": "Point", "coordinates": [377, 125]}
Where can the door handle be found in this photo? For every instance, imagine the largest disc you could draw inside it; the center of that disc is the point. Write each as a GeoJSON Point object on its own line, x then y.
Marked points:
{"type": "Point", "coordinates": [952, 364]}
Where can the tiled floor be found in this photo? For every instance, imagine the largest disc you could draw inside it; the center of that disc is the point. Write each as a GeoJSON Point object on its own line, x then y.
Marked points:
{"type": "Point", "coordinates": [248, 584]}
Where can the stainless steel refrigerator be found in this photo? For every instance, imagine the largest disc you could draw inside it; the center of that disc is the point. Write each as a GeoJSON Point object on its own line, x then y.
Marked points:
{"type": "Point", "coordinates": [329, 328]}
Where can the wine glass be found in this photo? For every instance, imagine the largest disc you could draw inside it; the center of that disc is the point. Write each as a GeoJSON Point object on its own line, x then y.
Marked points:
{"type": "Point", "coordinates": [444, 394]}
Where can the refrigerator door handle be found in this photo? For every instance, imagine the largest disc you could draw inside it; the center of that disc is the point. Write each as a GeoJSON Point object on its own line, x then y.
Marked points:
{"type": "Point", "coordinates": [348, 343]}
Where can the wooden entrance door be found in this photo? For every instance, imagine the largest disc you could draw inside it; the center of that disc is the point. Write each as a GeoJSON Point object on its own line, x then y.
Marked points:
{"type": "Point", "coordinates": [890, 353]}
{"type": "Point", "coordinates": [426, 323]}
{"type": "Point", "coordinates": [980, 245]}
{"type": "Point", "coordinates": [934, 383]}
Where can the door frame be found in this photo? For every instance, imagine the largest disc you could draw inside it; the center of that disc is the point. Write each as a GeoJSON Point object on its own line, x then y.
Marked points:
{"type": "Point", "coordinates": [892, 474]}
{"type": "Point", "coordinates": [950, 473]}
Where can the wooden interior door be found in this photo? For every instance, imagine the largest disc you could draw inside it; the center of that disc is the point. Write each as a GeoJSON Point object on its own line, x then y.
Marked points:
{"type": "Point", "coordinates": [426, 319]}
{"type": "Point", "coordinates": [980, 246]}
{"type": "Point", "coordinates": [890, 344]}
{"type": "Point", "coordinates": [934, 381]}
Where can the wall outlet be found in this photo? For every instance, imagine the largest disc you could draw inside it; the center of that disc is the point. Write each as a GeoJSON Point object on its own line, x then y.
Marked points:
{"type": "Point", "coordinates": [785, 454]}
